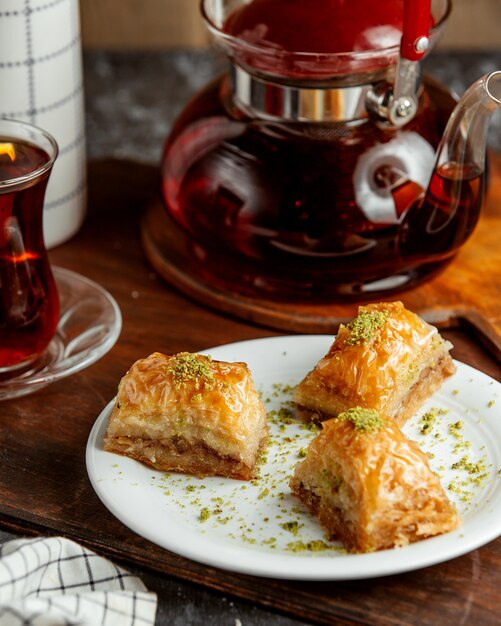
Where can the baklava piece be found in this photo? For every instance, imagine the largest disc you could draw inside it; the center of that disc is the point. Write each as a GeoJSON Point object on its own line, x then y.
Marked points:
{"type": "Point", "coordinates": [387, 359]}
{"type": "Point", "coordinates": [371, 487]}
{"type": "Point", "coordinates": [188, 413]}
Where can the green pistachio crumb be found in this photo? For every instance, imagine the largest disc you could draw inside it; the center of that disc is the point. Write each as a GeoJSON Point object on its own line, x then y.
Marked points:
{"type": "Point", "coordinates": [428, 420]}
{"type": "Point", "coordinates": [185, 367]}
{"type": "Point", "coordinates": [469, 466]}
{"type": "Point", "coordinates": [285, 415]}
{"type": "Point", "coordinates": [366, 420]}
{"type": "Point", "coordinates": [204, 514]}
{"type": "Point", "coordinates": [313, 426]}
{"type": "Point", "coordinates": [292, 527]}
{"type": "Point", "coordinates": [269, 542]}
{"type": "Point", "coordinates": [316, 545]}
{"type": "Point", "coordinates": [455, 428]}
{"type": "Point", "coordinates": [363, 328]}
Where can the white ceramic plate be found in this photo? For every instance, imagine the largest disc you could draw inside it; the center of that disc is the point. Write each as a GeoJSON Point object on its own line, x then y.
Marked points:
{"type": "Point", "coordinates": [259, 528]}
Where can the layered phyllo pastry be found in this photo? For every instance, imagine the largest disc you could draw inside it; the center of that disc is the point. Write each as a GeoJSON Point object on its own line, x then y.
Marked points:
{"type": "Point", "coordinates": [370, 486]}
{"type": "Point", "coordinates": [189, 413]}
{"type": "Point", "coordinates": [387, 359]}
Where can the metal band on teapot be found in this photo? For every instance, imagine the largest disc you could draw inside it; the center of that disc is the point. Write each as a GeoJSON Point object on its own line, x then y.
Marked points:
{"type": "Point", "coordinates": [298, 104]}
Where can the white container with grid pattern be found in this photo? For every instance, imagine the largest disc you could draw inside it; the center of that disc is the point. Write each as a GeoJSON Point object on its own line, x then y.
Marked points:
{"type": "Point", "coordinates": [41, 82]}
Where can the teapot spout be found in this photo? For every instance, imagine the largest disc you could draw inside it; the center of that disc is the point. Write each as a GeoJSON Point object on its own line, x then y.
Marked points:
{"type": "Point", "coordinates": [461, 153]}
{"type": "Point", "coordinates": [445, 216]}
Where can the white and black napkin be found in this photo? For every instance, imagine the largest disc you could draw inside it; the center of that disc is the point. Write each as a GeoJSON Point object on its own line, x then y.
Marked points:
{"type": "Point", "coordinates": [56, 582]}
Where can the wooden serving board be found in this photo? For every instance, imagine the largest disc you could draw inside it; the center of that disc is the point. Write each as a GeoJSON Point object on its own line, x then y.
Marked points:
{"type": "Point", "coordinates": [467, 292]}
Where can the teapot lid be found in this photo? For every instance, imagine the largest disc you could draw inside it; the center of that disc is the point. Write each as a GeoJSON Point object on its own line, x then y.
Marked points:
{"type": "Point", "coordinates": [313, 39]}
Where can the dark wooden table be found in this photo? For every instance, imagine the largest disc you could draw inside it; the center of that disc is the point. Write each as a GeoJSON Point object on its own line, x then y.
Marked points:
{"type": "Point", "coordinates": [44, 487]}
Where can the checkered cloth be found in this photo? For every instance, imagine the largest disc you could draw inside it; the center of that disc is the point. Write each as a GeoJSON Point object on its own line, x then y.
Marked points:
{"type": "Point", "coordinates": [56, 582]}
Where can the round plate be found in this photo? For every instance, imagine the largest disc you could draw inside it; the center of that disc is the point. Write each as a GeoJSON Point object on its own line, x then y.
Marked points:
{"type": "Point", "coordinates": [259, 528]}
{"type": "Point", "coordinates": [89, 325]}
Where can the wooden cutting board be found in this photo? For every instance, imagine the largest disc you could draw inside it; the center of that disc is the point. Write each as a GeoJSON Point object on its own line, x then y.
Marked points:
{"type": "Point", "coordinates": [466, 293]}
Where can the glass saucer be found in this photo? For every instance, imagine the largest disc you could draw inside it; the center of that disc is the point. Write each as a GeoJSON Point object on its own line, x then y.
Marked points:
{"type": "Point", "coordinates": [89, 325]}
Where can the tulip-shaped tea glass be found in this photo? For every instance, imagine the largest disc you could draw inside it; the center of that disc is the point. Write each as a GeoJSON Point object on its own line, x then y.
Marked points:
{"type": "Point", "coordinates": [29, 302]}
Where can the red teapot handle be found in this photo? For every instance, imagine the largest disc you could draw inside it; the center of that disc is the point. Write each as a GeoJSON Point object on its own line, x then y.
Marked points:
{"type": "Point", "coordinates": [416, 29]}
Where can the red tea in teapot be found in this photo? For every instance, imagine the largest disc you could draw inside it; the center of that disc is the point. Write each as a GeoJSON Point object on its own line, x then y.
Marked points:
{"type": "Point", "coordinates": [29, 304]}
{"type": "Point", "coordinates": [448, 214]}
{"type": "Point", "coordinates": [326, 26]}
{"type": "Point", "coordinates": [289, 183]}
{"type": "Point", "coordinates": [289, 212]}
{"type": "Point", "coordinates": [308, 38]}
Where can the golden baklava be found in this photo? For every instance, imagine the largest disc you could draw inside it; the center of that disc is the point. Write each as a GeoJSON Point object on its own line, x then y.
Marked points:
{"type": "Point", "coordinates": [189, 413]}
{"type": "Point", "coordinates": [370, 486]}
{"type": "Point", "coordinates": [387, 358]}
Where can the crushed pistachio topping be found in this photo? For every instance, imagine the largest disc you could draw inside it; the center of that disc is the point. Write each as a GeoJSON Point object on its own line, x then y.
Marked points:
{"type": "Point", "coordinates": [363, 328]}
{"type": "Point", "coordinates": [455, 429]}
{"type": "Point", "coordinates": [316, 545]}
{"type": "Point", "coordinates": [477, 475]}
{"type": "Point", "coordinates": [204, 514]}
{"type": "Point", "coordinates": [314, 425]}
{"type": "Point", "coordinates": [185, 367]}
{"type": "Point", "coordinates": [472, 468]}
{"type": "Point", "coordinates": [366, 420]}
{"type": "Point", "coordinates": [292, 527]}
{"type": "Point", "coordinates": [428, 420]}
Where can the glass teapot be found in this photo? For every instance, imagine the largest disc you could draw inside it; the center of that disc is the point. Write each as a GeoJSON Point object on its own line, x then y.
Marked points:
{"type": "Point", "coordinates": [320, 167]}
